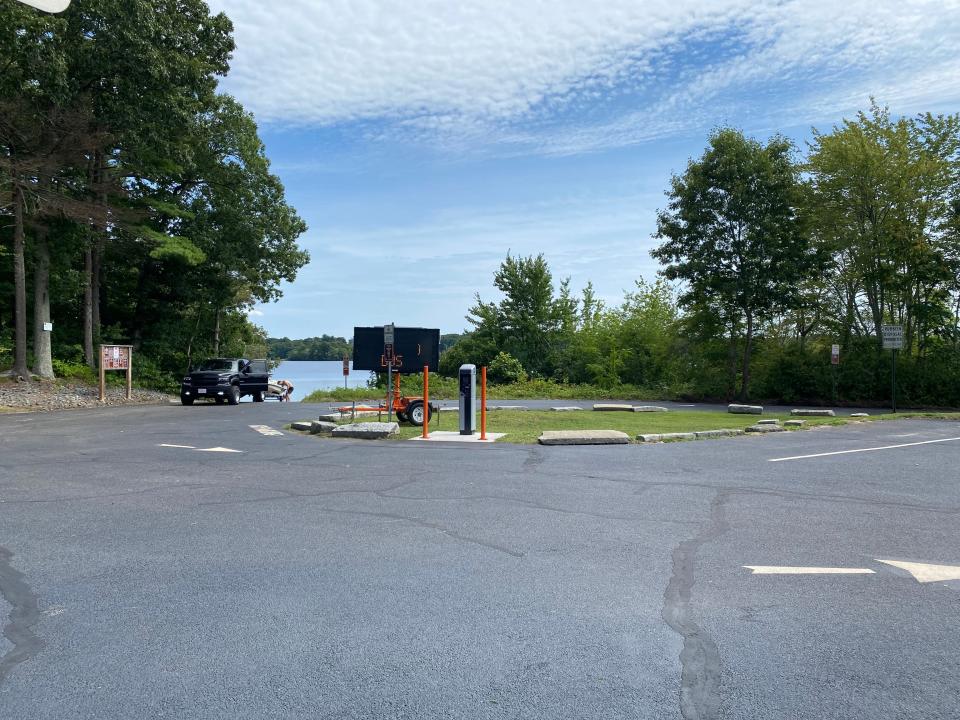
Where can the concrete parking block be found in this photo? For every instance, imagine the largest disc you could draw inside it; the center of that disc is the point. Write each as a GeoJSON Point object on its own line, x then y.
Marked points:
{"type": "Point", "coordinates": [649, 408]}
{"type": "Point", "coordinates": [768, 421]}
{"type": "Point", "coordinates": [570, 408]}
{"type": "Point", "coordinates": [650, 438]}
{"type": "Point", "coordinates": [813, 412]}
{"type": "Point", "coordinates": [765, 429]}
{"type": "Point", "coordinates": [678, 436]}
{"type": "Point", "coordinates": [745, 409]}
{"type": "Point", "coordinates": [612, 407]}
{"type": "Point", "coordinates": [319, 426]}
{"type": "Point", "coordinates": [302, 425]}
{"type": "Point", "coordinates": [795, 423]}
{"type": "Point", "coordinates": [367, 430]}
{"type": "Point", "coordinates": [859, 415]}
{"type": "Point", "coordinates": [583, 437]}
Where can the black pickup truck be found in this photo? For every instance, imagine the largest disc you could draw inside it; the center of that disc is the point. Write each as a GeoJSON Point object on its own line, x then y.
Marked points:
{"type": "Point", "coordinates": [226, 380]}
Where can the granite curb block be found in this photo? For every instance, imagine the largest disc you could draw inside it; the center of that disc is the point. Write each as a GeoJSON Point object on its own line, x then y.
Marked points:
{"type": "Point", "coordinates": [722, 432]}
{"type": "Point", "coordinates": [649, 408]}
{"type": "Point", "coordinates": [570, 408]}
{"type": "Point", "coordinates": [650, 438]}
{"type": "Point", "coordinates": [765, 429]}
{"type": "Point", "coordinates": [612, 407]}
{"type": "Point", "coordinates": [583, 437]}
{"type": "Point", "coordinates": [506, 407]}
{"type": "Point", "coordinates": [302, 425]}
{"type": "Point", "coordinates": [795, 423]}
{"type": "Point", "coordinates": [818, 412]}
{"type": "Point", "coordinates": [367, 430]}
{"type": "Point", "coordinates": [678, 436]}
{"type": "Point", "coordinates": [768, 421]}
{"type": "Point", "coordinates": [745, 409]}
{"type": "Point", "coordinates": [319, 426]}
{"type": "Point", "coordinates": [859, 415]}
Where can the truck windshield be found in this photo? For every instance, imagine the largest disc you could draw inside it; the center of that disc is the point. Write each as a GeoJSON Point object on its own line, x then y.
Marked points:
{"type": "Point", "coordinates": [216, 365]}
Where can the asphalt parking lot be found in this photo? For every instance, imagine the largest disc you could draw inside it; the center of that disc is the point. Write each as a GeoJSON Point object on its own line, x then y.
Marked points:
{"type": "Point", "coordinates": [179, 562]}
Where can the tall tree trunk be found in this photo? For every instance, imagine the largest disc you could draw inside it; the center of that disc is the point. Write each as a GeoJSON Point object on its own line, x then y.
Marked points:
{"type": "Point", "coordinates": [42, 355]}
{"type": "Point", "coordinates": [88, 355]}
{"type": "Point", "coordinates": [747, 348]}
{"type": "Point", "coordinates": [96, 271]}
{"type": "Point", "coordinates": [216, 334]}
{"type": "Point", "coordinates": [19, 288]}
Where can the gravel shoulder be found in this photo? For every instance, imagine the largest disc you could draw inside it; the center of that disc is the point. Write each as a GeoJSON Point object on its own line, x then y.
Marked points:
{"type": "Point", "coordinates": [46, 396]}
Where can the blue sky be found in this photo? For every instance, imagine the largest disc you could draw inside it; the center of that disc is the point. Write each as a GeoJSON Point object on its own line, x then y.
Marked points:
{"type": "Point", "coordinates": [422, 140]}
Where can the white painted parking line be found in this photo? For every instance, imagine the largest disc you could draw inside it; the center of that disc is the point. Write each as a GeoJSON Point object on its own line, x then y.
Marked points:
{"type": "Point", "coordinates": [182, 447]}
{"type": "Point", "coordinates": [266, 430]}
{"type": "Point", "coordinates": [925, 573]}
{"type": "Point", "coordinates": [863, 450]}
{"type": "Point", "coordinates": [789, 570]}
{"type": "Point", "coordinates": [219, 450]}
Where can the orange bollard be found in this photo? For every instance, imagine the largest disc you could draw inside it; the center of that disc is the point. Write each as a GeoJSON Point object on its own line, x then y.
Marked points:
{"type": "Point", "coordinates": [426, 402]}
{"type": "Point", "coordinates": [483, 403]}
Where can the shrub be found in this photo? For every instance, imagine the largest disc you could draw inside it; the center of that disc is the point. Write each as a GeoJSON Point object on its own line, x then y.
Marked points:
{"type": "Point", "coordinates": [505, 368]}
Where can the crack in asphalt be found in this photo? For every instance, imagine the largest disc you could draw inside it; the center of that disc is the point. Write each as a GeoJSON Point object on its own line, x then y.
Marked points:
{"type": "Point", "coordinates": [24, 614]}
{"type": "Point", "coordinates": [429, 526]}
{"type": "Point", "coordinates": [699, 659]}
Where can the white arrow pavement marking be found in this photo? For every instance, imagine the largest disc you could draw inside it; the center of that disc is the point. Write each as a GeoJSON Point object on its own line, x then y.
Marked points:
{"type": "Point", "coordinates": [787, 570]}
{"type": "Point", "coordinates": [183, 447]}
{"type": "Point", "coordinates": [266, 430]}
{"type": "Point", "coordinates": [863, 450]}
{"type": "Point", "coordinates": [925, 573]}
{"type": "Point", "coordinates": [219, 449]}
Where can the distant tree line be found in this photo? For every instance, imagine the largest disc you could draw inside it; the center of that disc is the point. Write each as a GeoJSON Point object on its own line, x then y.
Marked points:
{"type": "Point", "coordinates": [325, 347]}
{"type": "Point", "coordinates": [768, 258]}
{"type": "Point", "coordinates": [136, 201]}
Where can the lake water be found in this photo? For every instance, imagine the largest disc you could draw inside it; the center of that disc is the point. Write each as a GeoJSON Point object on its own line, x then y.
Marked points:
{"type": "Point", "coordinates": [310, 375]}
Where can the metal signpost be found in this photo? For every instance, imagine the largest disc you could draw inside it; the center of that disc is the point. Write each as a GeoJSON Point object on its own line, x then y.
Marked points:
{"type": "Point", "coordinates": [834, 362]}
{"type": "Point", "coordinates": [388, 337]}
{"type": "Point", "coordinates": [116, 357]}
{"type": "Point", "coordinates": [893, 340]}
{"type": "Point", "coordinates": [346, 370]}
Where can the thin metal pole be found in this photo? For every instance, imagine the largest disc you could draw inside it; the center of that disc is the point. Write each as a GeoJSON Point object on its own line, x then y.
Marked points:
{"type": "Point", "coordinates": [103, 396]}
{"type": "Point", "coordinates": [483, 403]}
{"type": "Point", "coordinates": [893, 390]}
{"type": "Point", "coordinates": [426, 402]}
{"type": "Point", "coordinates": [389, 390]}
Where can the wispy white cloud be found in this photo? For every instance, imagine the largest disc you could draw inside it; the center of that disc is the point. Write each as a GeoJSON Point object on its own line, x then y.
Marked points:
{"type": "Point", "coordinates": [502, 71]}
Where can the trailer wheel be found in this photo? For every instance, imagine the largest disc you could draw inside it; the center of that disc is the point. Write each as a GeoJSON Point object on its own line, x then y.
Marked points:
{"type": "Point", "coordinates": [401, 416]}
{"type": "Point", "coordinates": [415, 413]}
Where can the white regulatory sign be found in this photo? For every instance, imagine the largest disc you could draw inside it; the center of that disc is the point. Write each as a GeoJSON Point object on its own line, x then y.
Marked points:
{"type": "Point", "coordinates": [892, 337]}
{"type": "Point", "coordinates": [388, 334]}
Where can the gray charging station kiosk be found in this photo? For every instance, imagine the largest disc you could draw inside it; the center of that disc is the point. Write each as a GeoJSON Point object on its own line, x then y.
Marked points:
{"type": "Point", "coordinates": [468, 399]}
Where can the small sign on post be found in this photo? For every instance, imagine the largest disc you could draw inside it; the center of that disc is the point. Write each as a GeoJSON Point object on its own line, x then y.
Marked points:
{"type": "Point", "coordinates": [893, 340]}
{"type": "Point", "coordinates": [116, 357]}
{"type": "Point", "coordinates": [835, 355]}
{"type": "Point", "coordinates": [346, 370]}
{"type": "Point", "coordinates": [892, 337]}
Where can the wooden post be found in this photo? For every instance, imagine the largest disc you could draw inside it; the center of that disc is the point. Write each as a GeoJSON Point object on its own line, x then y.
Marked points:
{"type": "Point", "coordinates": [483, 403]}
{"type": "Point", "coordinates": [103, 390]}
{"type": "Point", "coordinates": [426, 402]}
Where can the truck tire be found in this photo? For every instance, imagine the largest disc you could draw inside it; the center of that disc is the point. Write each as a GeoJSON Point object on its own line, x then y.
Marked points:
{"type": "Point", "coordinates": [258, 396]}
{"type": "Point", "coordinates": [415, 413]}
{"type": "Point", "coordinates": [186, 400]}
{"type": "Point", "coordinates": [234, 397]}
